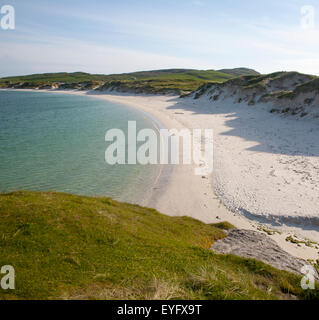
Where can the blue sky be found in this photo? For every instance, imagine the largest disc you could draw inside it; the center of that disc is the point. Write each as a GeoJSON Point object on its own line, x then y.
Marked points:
{"type": "Point", "coordinates": [130, 35]}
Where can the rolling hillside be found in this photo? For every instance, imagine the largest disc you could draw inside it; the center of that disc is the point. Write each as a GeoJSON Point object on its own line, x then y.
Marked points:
{"type": "Point", "coordinates": [157, 81]}
{"type": "Point", "coordinates": [237, 72]}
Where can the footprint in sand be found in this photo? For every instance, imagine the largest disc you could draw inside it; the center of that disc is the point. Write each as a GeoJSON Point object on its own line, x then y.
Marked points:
{"type": "Point", "coordinates": [272, 173]}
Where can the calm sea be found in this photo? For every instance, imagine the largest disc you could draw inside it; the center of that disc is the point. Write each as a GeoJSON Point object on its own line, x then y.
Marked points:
{"type": "Point", "coordinates": [57, 142]}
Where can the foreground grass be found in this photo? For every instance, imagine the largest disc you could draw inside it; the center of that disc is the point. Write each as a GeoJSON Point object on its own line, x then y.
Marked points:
{"type": "Point", "coordinates": [72, 247]}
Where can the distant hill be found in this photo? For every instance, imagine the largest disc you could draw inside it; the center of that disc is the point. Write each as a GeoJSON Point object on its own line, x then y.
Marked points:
{"type": "Point", "coordinates": [155, 81]}
{"type": "Point", "coordinates": [237, 72]}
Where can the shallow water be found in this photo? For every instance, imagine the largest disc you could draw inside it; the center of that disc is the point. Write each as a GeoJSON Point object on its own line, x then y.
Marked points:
{"type": "Point", "coordinates": [57, 142]}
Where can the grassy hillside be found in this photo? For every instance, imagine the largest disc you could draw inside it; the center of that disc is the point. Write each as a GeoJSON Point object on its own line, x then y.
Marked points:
{"type": "Point", "coordinates": [73, 247]}
{"type": "Point", "coordinates": [237, 72]}
{"type": "Point", "coordinates": [53, 77]}
{"type": "Point", "coordinates": [143, 75]}
{"type": "Point", "coordinates": [157, 81]}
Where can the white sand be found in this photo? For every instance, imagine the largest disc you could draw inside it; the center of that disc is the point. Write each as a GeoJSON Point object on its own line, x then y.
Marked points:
{"type": "Point", "coordinates": [264, 165]}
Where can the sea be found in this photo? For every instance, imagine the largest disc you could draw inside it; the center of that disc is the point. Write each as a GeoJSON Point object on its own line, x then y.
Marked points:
{"type": "Point", "coordinates": [56, 142]}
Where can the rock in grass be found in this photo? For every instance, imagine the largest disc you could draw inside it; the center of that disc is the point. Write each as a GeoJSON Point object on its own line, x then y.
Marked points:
{"type": "Point", "coordinates": [255, 245]}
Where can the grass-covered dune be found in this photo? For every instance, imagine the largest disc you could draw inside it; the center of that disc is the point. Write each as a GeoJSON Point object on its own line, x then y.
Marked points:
{"type": "Point", "coordinates": [291, 93]}
{"type": "Point", "coordinates": [72, 247]}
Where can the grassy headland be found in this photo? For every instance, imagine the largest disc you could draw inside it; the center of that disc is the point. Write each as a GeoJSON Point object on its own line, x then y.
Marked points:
{"type": "Point", "coordinates": [72, 247]}
{"type": "Point", "coordinates": [158, 81]}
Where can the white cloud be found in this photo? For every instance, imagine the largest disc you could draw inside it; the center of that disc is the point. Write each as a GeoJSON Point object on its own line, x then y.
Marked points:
{"type": "Point", "coordinates": [69, 55]}
{"type": "Point", "coordinates": [198, 3]}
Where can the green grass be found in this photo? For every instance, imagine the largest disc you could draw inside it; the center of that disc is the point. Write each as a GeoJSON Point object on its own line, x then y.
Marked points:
{"type": "Point", "coordinates": [311, 86]}
{"type": "Point", "coordinates": [308, 87]}
{"type": "Point", "coordinates": [259, 81]}
{"type": "Point", "coordinates": [46, 78]}
{"type": "Point", "coordinates": [259, 85]}
{"type": "Point", "coordinates": [71, 247]}
{"type": "Point", "coordinates": [307, 243]}
{"type": "Point", "coordinates": [237, 72]}
{"type": "Point", "coordinates": [224, 226]}
{"type": "Point", "coordinates": [157, 81]}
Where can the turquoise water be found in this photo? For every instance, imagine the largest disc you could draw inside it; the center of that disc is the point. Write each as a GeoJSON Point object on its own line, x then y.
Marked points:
{"type": "Point", "coordinates": [57, 142]}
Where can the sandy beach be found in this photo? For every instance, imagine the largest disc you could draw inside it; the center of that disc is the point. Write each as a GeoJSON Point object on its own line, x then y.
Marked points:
{"type": "Point", "coordinates": [249, 172]}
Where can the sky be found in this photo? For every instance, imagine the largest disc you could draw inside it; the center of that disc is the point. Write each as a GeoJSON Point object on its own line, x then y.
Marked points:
{"type": "Point", "coordinates": [108, 37]}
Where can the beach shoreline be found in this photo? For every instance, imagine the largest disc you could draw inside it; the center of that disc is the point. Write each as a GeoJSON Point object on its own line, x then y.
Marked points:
{"type": "Point", "coordinates": [178, 191]}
